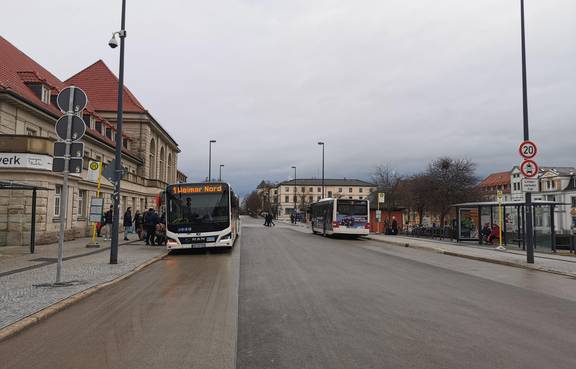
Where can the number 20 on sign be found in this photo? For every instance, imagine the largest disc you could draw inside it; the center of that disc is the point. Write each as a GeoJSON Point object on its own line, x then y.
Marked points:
{"type": "Point", "coordinates": [528, 149]}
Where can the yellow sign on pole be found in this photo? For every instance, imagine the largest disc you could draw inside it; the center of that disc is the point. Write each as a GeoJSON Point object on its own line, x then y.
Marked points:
{"type": "Point", "coordinates": [98, 168]}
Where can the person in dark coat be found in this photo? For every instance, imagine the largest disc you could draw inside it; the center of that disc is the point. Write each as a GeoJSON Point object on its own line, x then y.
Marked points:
{"type": "Point", "coordinates": [108, 220]}
{"type": "Point", "coordinates": [394, 226]}
{"type": "Point", "coordinates": [128, 223]}
{"type": "Point", "coordinates": [151, 219]}
{"type": "Point", "coordinates": [139, 224]}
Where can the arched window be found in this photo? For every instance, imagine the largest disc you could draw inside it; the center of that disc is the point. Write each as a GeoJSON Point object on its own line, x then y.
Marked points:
{"type": "Point", "coordinates": [162, 165]}
{"type": "Point", "coordinates": [152, 160]}
{"type": "Point", "coordinates": [170, 169]}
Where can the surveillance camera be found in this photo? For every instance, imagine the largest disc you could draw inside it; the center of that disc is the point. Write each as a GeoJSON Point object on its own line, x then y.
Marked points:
{"type": "Point", "coordinates": [113, 43]}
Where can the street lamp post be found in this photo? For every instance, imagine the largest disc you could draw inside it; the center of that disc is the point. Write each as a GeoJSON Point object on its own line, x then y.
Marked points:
{"type": "Point", "coordinates": [119, 141]}
{"type": "Point", "coordinates": [322, 144]}
{"type": "Point", "coordinates": [220, 173]}
{"type": "Point", "coordinates": [529, 226]}
{"type": "Point", "coordinates": [295, 189]}
{"type": "Point", "coordinates": [210, 160]}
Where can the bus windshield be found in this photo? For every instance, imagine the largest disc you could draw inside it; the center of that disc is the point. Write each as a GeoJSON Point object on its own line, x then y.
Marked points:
{"type": "Point", "coordinates": [197, 212]}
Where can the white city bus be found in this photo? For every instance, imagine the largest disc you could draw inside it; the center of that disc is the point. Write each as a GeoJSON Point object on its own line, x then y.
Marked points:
{"type": "Point", "coordinates": [340, 216]}
{"type": "Point", "coordinates": [201, 215]}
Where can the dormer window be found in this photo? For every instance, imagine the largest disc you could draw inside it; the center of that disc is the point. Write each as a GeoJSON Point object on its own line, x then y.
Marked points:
{"type": "Point", "coordinates": [98, 127]}
{"type": "Point", "coordinates": [45, 97]}
{"type": "Point", "coordinates": [88, 120]}
{"type": "Point", "coordinates": [109, 132]}
{"type": "Point", "coordinates": [125, 143]}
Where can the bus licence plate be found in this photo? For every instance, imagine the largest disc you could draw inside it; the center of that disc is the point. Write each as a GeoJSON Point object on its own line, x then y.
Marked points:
{"type": "Point", "coordinates": [198, 245]}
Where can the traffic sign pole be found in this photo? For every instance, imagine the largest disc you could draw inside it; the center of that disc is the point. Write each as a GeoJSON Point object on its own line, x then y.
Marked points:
{"type": "Point", "coordinates": [528, 203]}
{"type": "Point", "coordinates": [64, 193]}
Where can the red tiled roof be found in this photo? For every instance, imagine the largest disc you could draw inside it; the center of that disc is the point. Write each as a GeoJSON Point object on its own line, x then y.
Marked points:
{"type": "Point", "coordinates": [17, 68]}
{"type": "Point", "coordinates": [495, 179]}
{"type": "Point", "coordinates": [101, 86]}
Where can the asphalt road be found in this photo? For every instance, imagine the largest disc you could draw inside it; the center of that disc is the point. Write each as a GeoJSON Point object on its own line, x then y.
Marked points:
{"type": "Point", "coordinates": [286, 299]}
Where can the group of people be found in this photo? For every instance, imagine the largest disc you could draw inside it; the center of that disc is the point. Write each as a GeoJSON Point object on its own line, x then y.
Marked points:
{"type": "Point", "coordinates": [268, 220]}
{"type": "Point", "coordinates": [490, 234]}
{"type": "Point", "coordinates": [149, 226]}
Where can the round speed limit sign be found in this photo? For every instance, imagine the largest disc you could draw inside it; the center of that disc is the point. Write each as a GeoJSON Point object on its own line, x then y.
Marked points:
{"type": "Point", "coordinates": [528, 149]}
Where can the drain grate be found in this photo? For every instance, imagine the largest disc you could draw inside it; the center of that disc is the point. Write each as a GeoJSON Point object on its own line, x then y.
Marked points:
{"type": "Point", "coordinates": [44, 259]}
{"type": "Point", "coordinates": [61, 284]}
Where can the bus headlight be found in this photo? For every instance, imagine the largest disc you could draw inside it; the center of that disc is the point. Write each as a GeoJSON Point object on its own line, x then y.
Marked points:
{"type": "Point", "coordinates": [170, 242]}
{"type": "Point", "coordinates": [226, 237]}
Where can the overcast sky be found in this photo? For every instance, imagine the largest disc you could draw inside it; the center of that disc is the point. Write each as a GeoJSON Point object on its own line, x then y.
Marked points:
{"type": "Point", "coordinates": [395, 82]}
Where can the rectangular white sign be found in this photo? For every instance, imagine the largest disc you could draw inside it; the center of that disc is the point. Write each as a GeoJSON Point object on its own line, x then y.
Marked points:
{"type": "Point", "coordinates": [25, 161]}
{"type": "Point", "coordinates": [530, 184]}
{"type": "Point", "coordinates": [381, 197]}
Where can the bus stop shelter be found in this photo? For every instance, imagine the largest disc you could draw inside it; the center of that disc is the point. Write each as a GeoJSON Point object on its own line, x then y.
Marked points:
{"type": "Point", "coordinates": [21, 186]}
{"type": "Point", "coordinates": [471, 216]}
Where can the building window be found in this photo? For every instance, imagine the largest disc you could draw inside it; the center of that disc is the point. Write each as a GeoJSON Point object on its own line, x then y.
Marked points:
{"type": "Point", "coordinates": [57, 199]}
{"type": "Point", "coordinates": [361, 189]}
{"type": "Point", "coordinates": [81, 203]}
{"type": "Point", "coordinates": [311, 189]}
{"type": "Point", "coordinates": [574, 202]}
{"type": "Point", "coordinates": [361, 197]}
{"type": "Point", "coordinates": [303, 189]}
{"type": "Point", "coordinates": [329, 193]}
{"type": "Point", "coordinates": [163, 165]}
{"type": "Point", "coordinates": [350, 197]}
{"type": "Point", "coordinates": [319, 189]}
{"type": "Point", "coordinates": [98, 127]}
{"type": "Point", "coordinates": [319, 197]}
{"type": "Point", "coordinates": [87, 120]}
{"type": "Point", "coordinates": [286, 198]}
{"type": "Point", "coordinates": [125, 143]}
{"type": "Point", "coordinates": [109, 132]}
{"type": "Point", "coordinates": [295, 198]}
{"type": "Point", "coordinates": [287, 189]}
{"type": "Point", "coordinates": [152, 159]}
{"type": "Point", "coordinates": [45, 94]}
{"type": "Point", "coordinates": [350, 189]}
{"type": "Point", "coordinates": [31, 132]}
{"type": "Point", "coordinates": [311, 198]}
{"type": "Point", "coordinates": [340, 189]}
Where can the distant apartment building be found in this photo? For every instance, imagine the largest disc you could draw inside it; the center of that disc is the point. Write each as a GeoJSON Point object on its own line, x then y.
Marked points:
{"type": "Point", "coordinates": [296, 195]}
{"type": "Point", "coordinates": [27, 116]}
{"type": "Point", "coordinates": [495, 182]}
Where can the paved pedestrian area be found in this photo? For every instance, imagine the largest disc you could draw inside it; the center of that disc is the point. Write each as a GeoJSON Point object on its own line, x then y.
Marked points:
{"type": "Point", "coordinates": [561, 264]}
{"type": "Point", "coordinates": [23, 276]}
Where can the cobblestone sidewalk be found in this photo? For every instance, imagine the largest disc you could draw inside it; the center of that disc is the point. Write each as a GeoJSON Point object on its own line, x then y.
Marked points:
{"type": "Point", "coordinates": [22, 280]}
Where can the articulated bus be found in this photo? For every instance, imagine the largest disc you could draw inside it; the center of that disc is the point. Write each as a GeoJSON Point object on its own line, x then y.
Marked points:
{"type": "Point", "coordinates": [340, 216]}
{"type": "Point", "coordinates": [201, 215]}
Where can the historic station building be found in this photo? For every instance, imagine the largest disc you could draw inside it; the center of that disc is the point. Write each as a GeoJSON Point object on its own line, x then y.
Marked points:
{"type": "Point", "coordinates": [28, 113]}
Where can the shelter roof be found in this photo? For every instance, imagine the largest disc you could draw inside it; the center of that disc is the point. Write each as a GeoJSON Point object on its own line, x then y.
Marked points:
{"type": "Point", "coordinates": [327, 182]}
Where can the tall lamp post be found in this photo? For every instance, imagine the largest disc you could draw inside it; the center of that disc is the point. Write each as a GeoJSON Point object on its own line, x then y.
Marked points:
{"type": "Point", "coordinates": [220, 173]}
{"type": "Point", "coordinates": [528, 202]}
{"type": "Point", "coordinates": [295, 189]}
{"type": "Point", "coordinates": [322, 144]}
{"type": "Point", "coordinates": [119, 120]}
{"type": "Point", "coordinates": [210, 160]}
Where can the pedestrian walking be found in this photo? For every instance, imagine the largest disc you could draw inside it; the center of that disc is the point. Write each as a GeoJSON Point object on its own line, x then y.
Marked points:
{"type": "Point", "coordinates": [127, 223]}
{"type": "Point", "coordinates": [108, 220]}
{"type": "Point", "coordinates": [139, 224]}
{"type": "Point", "coordinates": [270, 219]}
{"type": "Point", "coordinates": [150, 221]}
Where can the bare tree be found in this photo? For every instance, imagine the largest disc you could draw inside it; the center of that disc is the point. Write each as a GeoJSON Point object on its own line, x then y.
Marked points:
{"type": "Point", "coordinates": [252, 203]}
{"type": "Point", "coordinates": [451, 181]}
{"type": "Point", "coordinates": [389, 182]}
{"type": "Point", "coordinates": [416, 193]}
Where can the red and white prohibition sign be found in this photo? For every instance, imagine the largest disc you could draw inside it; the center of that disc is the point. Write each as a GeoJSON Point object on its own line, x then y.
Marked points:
{"type": "Point", "coordinates": [528, 149]}
{"type": "Point", "coordinates": [529, 168]}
